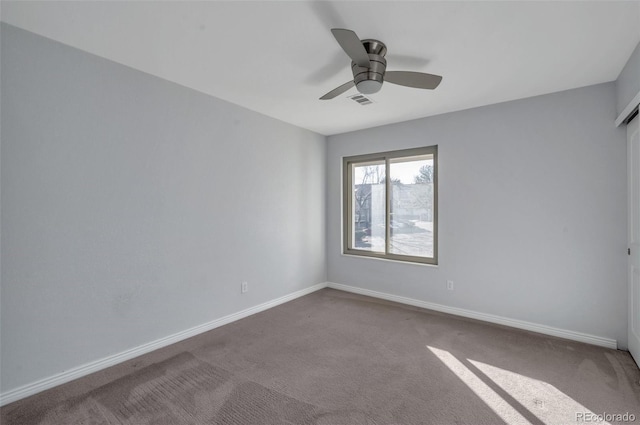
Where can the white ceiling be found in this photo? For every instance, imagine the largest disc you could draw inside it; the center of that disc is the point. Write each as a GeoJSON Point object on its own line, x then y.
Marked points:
{"type": "Point", "coordinates": [279, 57]}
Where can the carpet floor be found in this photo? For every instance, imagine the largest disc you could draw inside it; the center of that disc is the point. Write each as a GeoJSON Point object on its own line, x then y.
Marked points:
{"type": "Point", "coordinates": [337, 358]}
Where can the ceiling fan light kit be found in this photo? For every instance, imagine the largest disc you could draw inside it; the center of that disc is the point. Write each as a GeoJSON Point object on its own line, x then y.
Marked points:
{"type": "Point", "coordinates": [369, 67]}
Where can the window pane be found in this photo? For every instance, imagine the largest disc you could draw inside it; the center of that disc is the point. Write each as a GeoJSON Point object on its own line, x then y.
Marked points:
{"type": "Point", "coordinates": [412, 209]}
{"type": "Point", "coordinates": [368, 219]}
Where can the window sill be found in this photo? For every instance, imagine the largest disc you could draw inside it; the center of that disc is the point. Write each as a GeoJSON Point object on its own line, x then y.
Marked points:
{"type": "Point", "coordinates": [411, 263]}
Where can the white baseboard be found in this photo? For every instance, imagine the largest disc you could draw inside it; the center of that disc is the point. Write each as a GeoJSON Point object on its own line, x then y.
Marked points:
{"type": "Point", "coordinates": [514, 323]}
{"type": "Point", "coordinates": [88, 368]}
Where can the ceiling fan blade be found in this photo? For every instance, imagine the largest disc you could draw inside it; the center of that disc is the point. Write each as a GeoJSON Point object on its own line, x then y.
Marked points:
{"type": "Point", "coordinates": [352, 46]}
{"type": "Point", "coordinates": [418, 80]}
{"type": "Point", "coordinates": [338, 90]}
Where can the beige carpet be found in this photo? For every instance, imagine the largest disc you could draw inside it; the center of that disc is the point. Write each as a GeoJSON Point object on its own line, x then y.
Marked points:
{"type": "Point", "coordinates": [338, 358]}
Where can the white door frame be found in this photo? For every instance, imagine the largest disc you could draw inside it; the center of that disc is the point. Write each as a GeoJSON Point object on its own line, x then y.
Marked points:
{"type": "Point", "coordinates": [633, 200]}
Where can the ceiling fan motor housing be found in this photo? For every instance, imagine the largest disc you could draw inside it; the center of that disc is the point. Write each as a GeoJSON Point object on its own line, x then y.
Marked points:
{"type": "Point", "coordinates": [369, 80]}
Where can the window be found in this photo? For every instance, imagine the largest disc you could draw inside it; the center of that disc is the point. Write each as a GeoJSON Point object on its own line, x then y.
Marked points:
{"type": "Point", "coordinates": [391, 205]}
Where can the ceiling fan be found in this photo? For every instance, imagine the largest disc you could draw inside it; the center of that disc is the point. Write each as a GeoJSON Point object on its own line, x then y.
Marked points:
{"type": "Point", "coordinates": [369, 67]}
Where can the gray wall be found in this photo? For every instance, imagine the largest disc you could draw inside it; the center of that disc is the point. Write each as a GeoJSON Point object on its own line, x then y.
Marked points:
{"type": "Point", "coordinates": [628, 82]}
{"type": "Point", "coordinates": [532, 207]}
{"type": "Point", "coordinates": [132, 208]}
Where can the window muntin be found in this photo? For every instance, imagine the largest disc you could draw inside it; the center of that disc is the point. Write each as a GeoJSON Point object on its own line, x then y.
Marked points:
{"type": "Point", "coordinates": [395, 217]}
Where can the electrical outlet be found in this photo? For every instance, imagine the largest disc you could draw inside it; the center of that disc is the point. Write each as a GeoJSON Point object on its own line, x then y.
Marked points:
{"type": "Point", "coordinates": [450, 285]}
{"type": "Point", "coordinates": [244, 287]}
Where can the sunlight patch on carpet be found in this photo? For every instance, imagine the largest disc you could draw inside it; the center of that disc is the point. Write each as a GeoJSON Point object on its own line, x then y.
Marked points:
{"type": "Point", "coordinates": [550, 404]}
{"type": "Point", "coordinates": [503, 409]}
